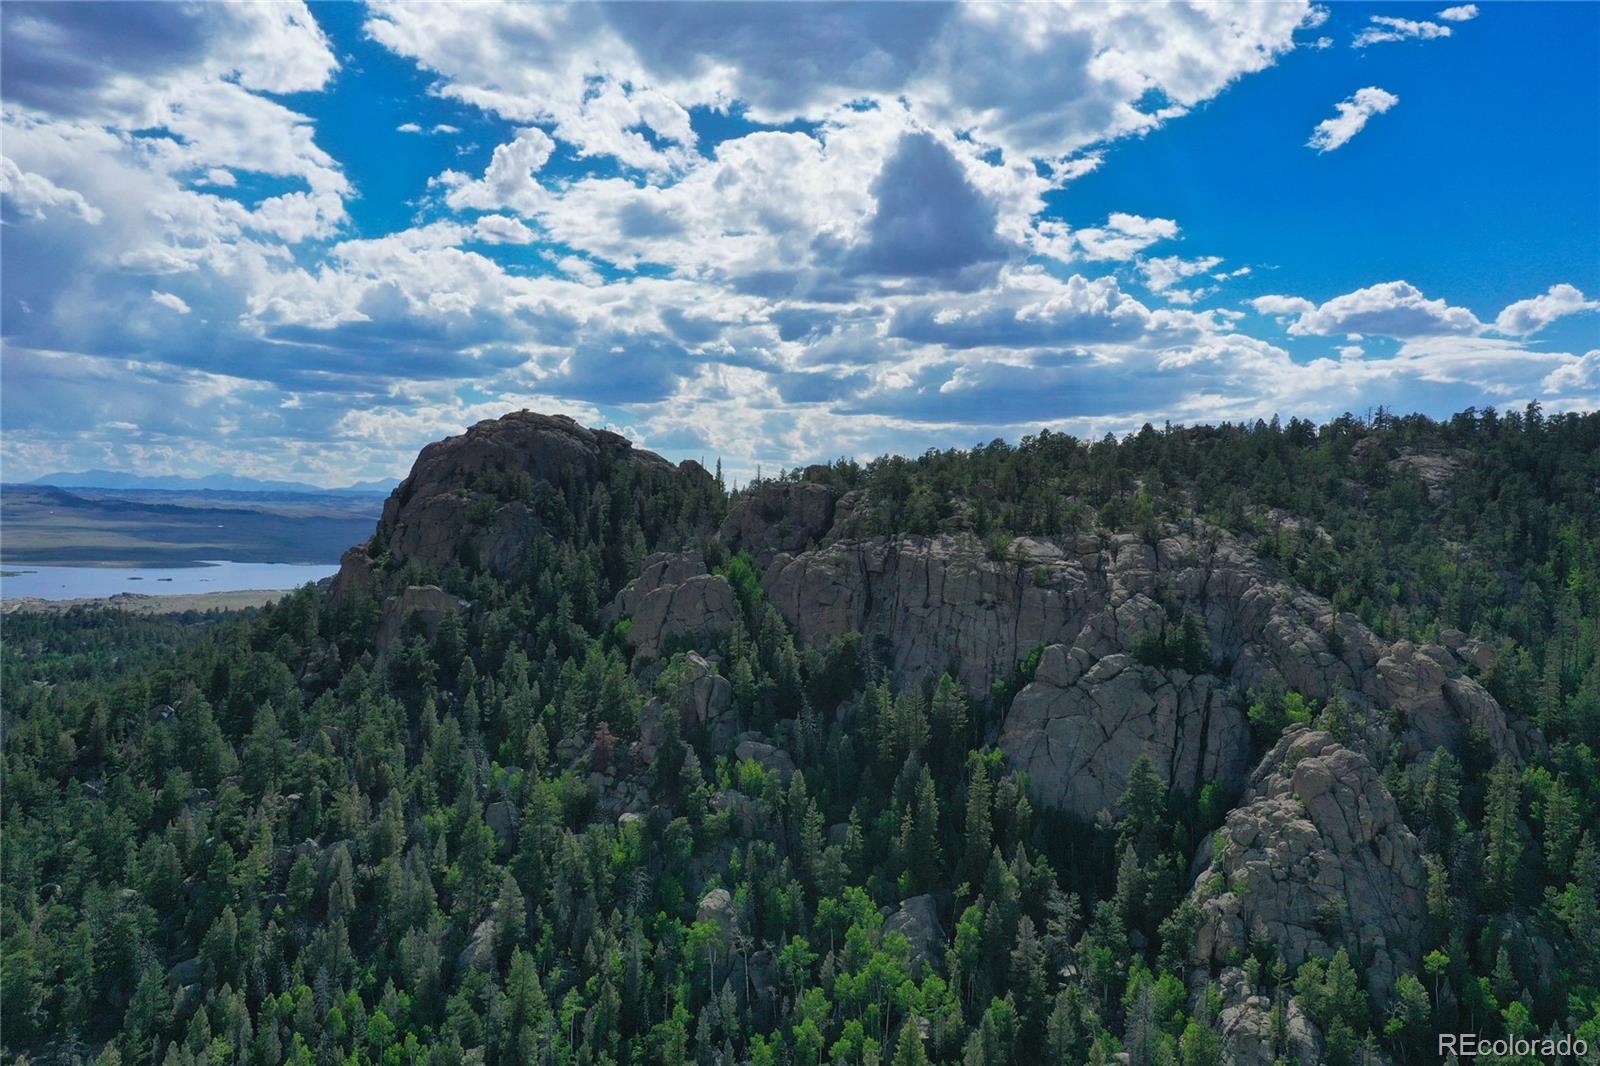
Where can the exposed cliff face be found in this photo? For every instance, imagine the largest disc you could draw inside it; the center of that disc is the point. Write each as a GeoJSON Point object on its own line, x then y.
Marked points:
{"type": "Point", "coordinates": [945, 602]}
{"type": "Point", "coordinates": [1315, 858]}
{"type": "Point", "coordinates": [674, 597]}
{"type": "Point", "coordinates": [939, 602]}
{"type": "Point", "coordinates": [1081, 725]}
{"type": "Point", "coordinates": [779, 516]}
{"type": "Point", "coordinates": [429, 603]}
{"type": "Point", "coordinates": [439, 514]}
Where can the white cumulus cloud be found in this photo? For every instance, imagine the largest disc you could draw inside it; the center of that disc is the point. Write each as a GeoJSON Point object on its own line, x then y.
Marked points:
{"type": "Point", "coordinates": [1531, 315]}
{"type": "Point", "coordinates": [1350, 118]}
{"type": "Point", "coordinates": [1390, 309]}
{"type": "Point", "coordinates": [1385, 28]}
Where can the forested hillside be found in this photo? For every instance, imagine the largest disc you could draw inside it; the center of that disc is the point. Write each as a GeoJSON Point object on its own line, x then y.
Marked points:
{"type": "Point", "coordinates": [1248, 743]}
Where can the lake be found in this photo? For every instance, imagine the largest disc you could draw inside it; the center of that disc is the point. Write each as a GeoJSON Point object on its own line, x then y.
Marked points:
{"type": "Point", "coordinates": [82, 582]}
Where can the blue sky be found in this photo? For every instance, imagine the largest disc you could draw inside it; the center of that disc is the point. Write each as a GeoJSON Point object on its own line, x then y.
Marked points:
{"type": "Point", "coordinates": [302, 242]}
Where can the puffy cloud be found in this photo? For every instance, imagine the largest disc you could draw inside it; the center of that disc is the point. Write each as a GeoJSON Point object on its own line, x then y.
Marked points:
{"type": "Point", "coordinates": [1123, 236]}
{"type": "Point", "coordinates": [929, 221]}
{"type": "Point", "coordinates": [408, 127]}
{"type": "Point", "coordinates": [1350, 118]}
{"type": "Point", "coordinates": [857, 252]}
{"type": "Point", "coordinates": [1042, 82]}
{"type": "Point", "coordinates": [502, 229]}
{"type": "Point", "coordinates": [1386, 28]}
{"type": "Point", "coordinates": [83, 60]}
{"type": "Point", "coordinates": [1029, 309]}
{"type": "Point", "coordinates": [1390, 309]}
{"type": "Point", "coordinates": [34, 195]}
{"type": "Point", "coordinates": [509, 180]}
{"type": "Point", "coordinates": [1531, 315]}
{"type": "Point", "coordinates": [1579, 375]}
{"type": "Point", "coordinates": [1162, 274]}
{"type": "Point", "coordinates": [1283, 305]}
{"type": "Point", "coordinates": [1463, 13]}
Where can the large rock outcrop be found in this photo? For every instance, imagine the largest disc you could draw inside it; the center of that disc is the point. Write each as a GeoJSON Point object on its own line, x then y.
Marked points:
{"type": "Point", "coordinates": [917, 919]}
{"type": "Point", "coordinates": [938, 601]}
{"type": "Point", "coordinates": [673, 598]}
{"type": "Point", "coordinates": [778, 516]}
{"type": "Point", "coordinates": [428, 604]}
{"type": "Point", "coordinates": [459, 499]}
{"type": "Point", "coordinates": [1249, 1035]}
{"type": "Point", "coordinates": [703, 699]}
{"type": "Point", "coordinates": [951, 602]}
{"type": "Point", "coordinates": [1316, 858]}
{"type": "Point", "coordinates": [1080, 726]}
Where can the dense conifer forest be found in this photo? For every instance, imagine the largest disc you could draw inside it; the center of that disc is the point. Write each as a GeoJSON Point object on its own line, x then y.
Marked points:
{"type": "Point", "coordinates": [272, 838]}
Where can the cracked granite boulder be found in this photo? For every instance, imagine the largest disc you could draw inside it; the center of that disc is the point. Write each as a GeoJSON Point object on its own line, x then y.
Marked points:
{"type": "Point", "coordinates": [778, 516]}
{"type": "Point", "coordinates": [1080, 726]}
{"type": "Point", "coordinates": [673, 598]}
{"type": "Point", "coordinates": [1315, 858]}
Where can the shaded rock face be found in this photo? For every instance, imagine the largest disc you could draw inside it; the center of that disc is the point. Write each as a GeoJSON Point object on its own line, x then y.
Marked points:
{"type": "Point", "coordinates": [1245, 1025]}
{"type": "Point", "coordinates": [705, 703]}
{"type": "Point", "coordinates": [504, 818]}
{"type": "Point", "coordinates": [1315, 858]}
{"type": "Point", "coordinates": [917, 919]}
{"type": "Point", "coordinates": [1434, 469]}
{"type": "Point", "coordinates": [673, 597]}
{"type": "Point", "coordinates": [354, 576]}
{"type": "Point", "coordinates": [430, 603]}
{"type": "Point", "coordinates": [938, 601]}
{"type": "Point", "coordinates": [480, 948]}
{"type": "Point", "coordinates": [430, 516]}
{"type": "Point", "coordinates": [717, 906]}
{"type": "Point", "coordinates": [778, 516]}
{"type": "Point", "coordinates": [774, 759]}
{"type": "Point", "coordinates": [706, 698]}
{"type": "Point", "coordinates": [753, 983]}
{"type": "Point", "coordinates": [617, 796]}
{"type": "Point", "coordinates": [1080, 726]}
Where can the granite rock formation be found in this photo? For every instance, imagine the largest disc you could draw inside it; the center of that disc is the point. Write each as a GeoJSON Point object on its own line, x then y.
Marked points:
{"type": "Point", "coordinates": [1315, 858]}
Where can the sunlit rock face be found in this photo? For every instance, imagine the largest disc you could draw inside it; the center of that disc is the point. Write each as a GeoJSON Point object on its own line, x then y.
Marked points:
{"type": "Point", "coordinates": [1315, 858]}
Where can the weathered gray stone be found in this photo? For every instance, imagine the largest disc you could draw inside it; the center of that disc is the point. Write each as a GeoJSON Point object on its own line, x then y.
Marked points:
{"type": "Point", "coordinates": [503, 817]}
{"type": "Point", "coordinates": [437, 515]}
{"type": "Point", "coordinates": [430, 603]}
{"type": "Point", "coordinates": [1245, 1025]}
{"type": "Point", "coordinates": [717, 906]}
{"type": "Point", "coordinates": [772, 758]}
{"type": "Point", "coordinates": [1080, 726]}
{"type": "Point", "coordinates": [937, 602]}
{"type": "Point", "coordinates": [917, 919]}
{"type": "Point", "coordinates": [674, 597]}
{"type": "Point", "coordinates": [778, 516]}
{"type": "Point", "coordinates": [480, 949]}
{"type": "Point", "coordinates": [1316, 858]}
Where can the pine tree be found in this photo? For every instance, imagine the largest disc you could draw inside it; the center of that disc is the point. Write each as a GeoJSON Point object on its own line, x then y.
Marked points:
{"type": "Point", "coordinates": [908, 1049]}
{"type": "Point", "coordinates": [1561, 827]}
{"type": "Point", "coordinates": [1144, 804]}
{"type": "Point", "coordinates": [1503, 853]}
{"type": "Point", "coordinates": [978, 829]}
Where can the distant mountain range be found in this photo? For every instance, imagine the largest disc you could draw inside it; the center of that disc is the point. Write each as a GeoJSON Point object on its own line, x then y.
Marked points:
{"type": "Point", "coordinates": [118, 479]}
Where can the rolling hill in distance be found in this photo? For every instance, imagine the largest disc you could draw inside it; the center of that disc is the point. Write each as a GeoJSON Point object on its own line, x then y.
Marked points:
{"type": "Point", "coordinates": [50, 526]}
{"type": "Point", "coordinates": [121, 479]}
